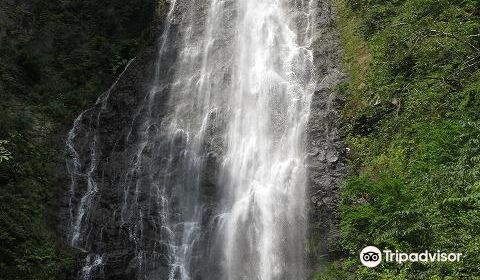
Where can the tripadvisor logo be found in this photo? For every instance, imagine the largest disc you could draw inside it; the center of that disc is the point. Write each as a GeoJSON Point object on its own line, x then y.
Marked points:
{"type": "Point", "coordinates": [371, 256]}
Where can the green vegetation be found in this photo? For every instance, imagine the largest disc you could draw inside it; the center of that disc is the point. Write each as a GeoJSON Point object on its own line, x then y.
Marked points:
{"type": "Point", "coordinates": [413, 125]}
{"type": "Point", "coordinates": [56, 57]}
{"type": "Point", "coordinates": [412, 121]}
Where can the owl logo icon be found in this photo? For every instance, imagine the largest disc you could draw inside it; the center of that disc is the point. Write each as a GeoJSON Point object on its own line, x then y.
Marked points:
{"type": "Point", "coordinates": [370, 256]}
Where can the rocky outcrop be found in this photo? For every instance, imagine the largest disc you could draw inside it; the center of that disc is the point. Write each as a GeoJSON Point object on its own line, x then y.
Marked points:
{"type": "Point", "coordinates": [132, 178]}
{"type": "Point", "coordinates": [325, 149]}
{"type": "Point", "coordinates": [100, 147]}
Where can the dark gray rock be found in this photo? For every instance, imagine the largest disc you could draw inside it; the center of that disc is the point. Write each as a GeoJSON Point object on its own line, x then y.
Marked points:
{"type": "Point", "coordinates": [326, 150]}
{"type": "Point", "coordinates": [102, 138]}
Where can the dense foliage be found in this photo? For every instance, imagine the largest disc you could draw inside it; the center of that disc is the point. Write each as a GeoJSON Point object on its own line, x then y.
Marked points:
{"type": "Point", "coordinates": [412, 120]}
{"type": "Point", "coordinates": [56, 57]}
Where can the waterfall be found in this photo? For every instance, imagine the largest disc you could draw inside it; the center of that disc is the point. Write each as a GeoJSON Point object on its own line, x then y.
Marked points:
{"type": "Point", "coordinates": [263, 170]}
{"type": "Point", "coordinates": [205, 176]}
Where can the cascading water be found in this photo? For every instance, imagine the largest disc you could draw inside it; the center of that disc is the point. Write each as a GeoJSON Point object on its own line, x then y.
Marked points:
{"type": "Point", "coordinates": [206, 178]}
{"type": "Point", "coordinates": [263, 170]}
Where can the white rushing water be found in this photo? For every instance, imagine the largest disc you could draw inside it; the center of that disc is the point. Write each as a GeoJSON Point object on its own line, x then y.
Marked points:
{"type": "Point", "coordinates": [235, 123]}
{"type": "Point", "coordinates": [263, 170]}
{"type": "Point", "coordinates": [249, 77]}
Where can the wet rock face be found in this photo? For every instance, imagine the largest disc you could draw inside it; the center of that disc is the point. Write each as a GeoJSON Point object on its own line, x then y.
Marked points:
{"type": "Point", "coordinates": [132, 177]}
{"type": "Point", "coordinates": [325, 148]}
{"type": "Point", "coordinates": [120, 155]}
{"type": "Point", "coordinates": [102, 149]}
